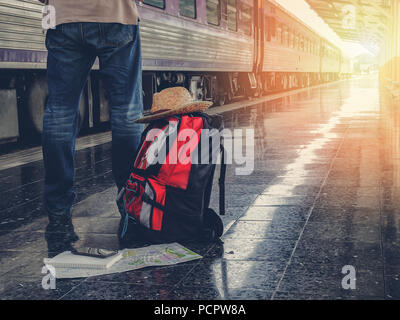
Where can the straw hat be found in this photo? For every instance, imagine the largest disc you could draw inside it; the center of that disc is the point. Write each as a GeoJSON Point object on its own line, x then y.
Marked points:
{"type": "Point", "coordinates": [172, 101]}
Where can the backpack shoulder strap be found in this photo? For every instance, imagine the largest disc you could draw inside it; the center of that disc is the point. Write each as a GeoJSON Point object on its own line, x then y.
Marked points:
{"type": "Point", "coordinates": [221, 182]}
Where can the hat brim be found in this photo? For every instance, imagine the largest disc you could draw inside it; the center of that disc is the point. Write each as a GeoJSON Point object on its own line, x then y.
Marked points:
{"type": "Point", "coordinates": [196, 106]}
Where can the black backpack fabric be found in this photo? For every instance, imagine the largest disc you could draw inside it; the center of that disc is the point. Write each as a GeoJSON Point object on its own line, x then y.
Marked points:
{"type": "Point", "coordinates": [169, 201]}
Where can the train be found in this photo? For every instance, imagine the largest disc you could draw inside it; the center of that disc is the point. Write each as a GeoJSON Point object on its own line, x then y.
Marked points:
{"type": "Point", "coordinates": [221, 50]}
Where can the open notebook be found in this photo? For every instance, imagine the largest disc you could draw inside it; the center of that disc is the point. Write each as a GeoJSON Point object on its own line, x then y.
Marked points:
{"type": "Point", "coordinates": [70, 260]}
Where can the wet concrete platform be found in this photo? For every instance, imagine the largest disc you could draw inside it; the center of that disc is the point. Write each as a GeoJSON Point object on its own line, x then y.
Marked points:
{"type": "Point", "coordinates": [324, 194]}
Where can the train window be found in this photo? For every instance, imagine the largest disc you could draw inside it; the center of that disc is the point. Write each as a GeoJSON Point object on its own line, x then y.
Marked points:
{"type": "Point", "coordinates": [286, 37]}
{"type": "Point", "coordinates": [279, 34]}
{"type": "Point", "coordinates": [213, 12]}
{"type": "Point", "coordinates": [291, 39]}
{"type": "Point", "coordinates": [232, 15]}
{"type": "Point", "coordinates": [155, 3]}
{"type": "Point", "coordinates": [187, 8]}
{"type": "Point", "coordinates": [271, 27]}
{"type": "Point", "coordinates": [247, 19]}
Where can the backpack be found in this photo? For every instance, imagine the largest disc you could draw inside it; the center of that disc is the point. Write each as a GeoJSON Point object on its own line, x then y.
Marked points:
{"type": "Point", "coordinates": [168, 201]}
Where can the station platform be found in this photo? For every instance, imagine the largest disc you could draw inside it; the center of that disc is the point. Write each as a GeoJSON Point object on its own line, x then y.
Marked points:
{"type": "Point", "coordinates": [324, 194]}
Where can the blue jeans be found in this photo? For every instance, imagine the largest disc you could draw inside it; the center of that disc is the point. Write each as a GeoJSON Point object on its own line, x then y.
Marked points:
{"type": "Point", "coordinates": [72, 51]}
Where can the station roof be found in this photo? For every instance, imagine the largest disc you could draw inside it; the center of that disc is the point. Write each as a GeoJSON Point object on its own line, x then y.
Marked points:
{"type": "Point", "coordinates": [362, 21]}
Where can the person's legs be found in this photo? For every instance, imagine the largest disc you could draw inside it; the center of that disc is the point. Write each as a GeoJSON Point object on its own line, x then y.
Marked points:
{"type": "Point", "coordinates": [121, 70]}
{"type": "Point", "coordinates": [68, 65]}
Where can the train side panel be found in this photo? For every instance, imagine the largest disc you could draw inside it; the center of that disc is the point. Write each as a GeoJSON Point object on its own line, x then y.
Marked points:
{"type": "Point", "coordinates": [173, 43]}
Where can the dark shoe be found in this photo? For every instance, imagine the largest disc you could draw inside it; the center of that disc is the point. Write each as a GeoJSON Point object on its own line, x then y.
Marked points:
{"type": "Point", "coordinates": [60, 234]}
{"type": "Point", "coordinates": [63, 227]}
{"type": "Point", "coordinates": [56, 247]}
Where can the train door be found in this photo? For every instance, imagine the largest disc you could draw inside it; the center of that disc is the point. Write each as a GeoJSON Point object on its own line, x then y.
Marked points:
{"type": "Point", "coordinates": [247, 19]}
{"type": "Point", "coordinates": [259, 22]}
{"type": "Point", "coordinates": [258, 35]}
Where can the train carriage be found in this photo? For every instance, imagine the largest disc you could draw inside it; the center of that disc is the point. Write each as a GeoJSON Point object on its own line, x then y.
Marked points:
{"type": "Point", "coordinates": [218, 49]}
{"type": "Point", "coordinates": [294, 54]}
{"type": "Point", "coordinates": [288, 39]}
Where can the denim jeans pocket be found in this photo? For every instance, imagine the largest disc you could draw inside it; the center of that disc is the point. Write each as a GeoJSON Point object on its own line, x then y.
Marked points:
{"type": "Point", "coordinates": [116, 34]}
{"type": "Point", "coordinates": [56, 38]}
